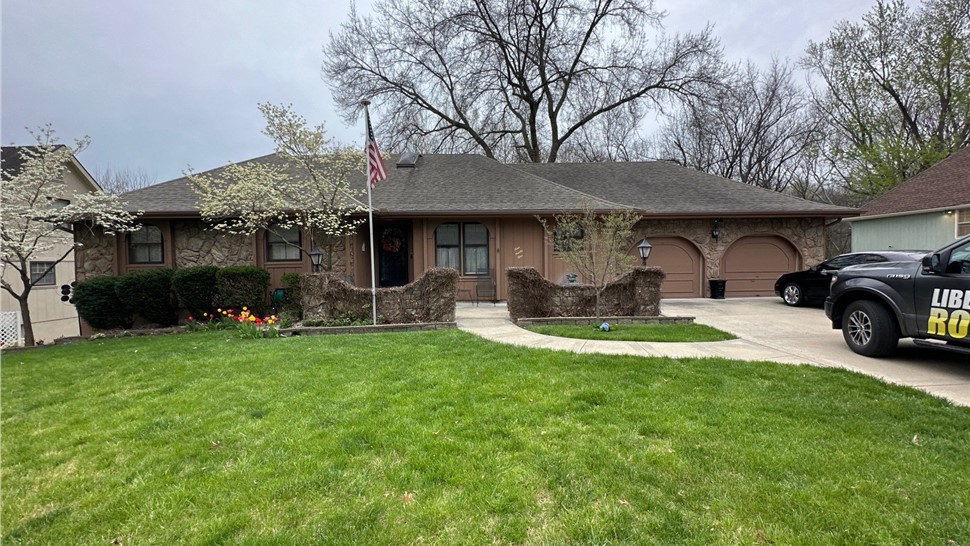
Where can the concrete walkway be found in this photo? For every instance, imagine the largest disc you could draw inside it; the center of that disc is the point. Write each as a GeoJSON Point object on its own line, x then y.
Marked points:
{"type": "Point", "coordinates": [767, 330]}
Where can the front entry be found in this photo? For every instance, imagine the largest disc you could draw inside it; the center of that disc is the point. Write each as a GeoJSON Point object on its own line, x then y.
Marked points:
{"type": "Point", "coordinates": [392, 247]}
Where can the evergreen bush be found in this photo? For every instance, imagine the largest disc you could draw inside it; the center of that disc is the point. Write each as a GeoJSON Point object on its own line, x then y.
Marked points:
{"type": "Point", "coordinates": [148, 294]}
{"type": "Point", "coordinates": [242, 285]}
{"type": "Point", "coordinates": [196, 288]}
{"type": "Point", "coordinates": [97, 302]}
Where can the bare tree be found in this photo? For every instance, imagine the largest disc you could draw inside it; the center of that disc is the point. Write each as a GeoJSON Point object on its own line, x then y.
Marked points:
{"type": "Point", "coordinates": [595, 244]}
{"type": "Point", "coordinates": [895, 89]}
{"type": "Point", "coordinates": [118, 181]}
{"type": "Point", "coordinates": [754, 131]}
{"type": "Point", "coordinates": [512, 79]}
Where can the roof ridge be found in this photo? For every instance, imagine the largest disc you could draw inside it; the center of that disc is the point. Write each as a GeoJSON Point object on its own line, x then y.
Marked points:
{"type": "Point", "coordinates": [563, 186]}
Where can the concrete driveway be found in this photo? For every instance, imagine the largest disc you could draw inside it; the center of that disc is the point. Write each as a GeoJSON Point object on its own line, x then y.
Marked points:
{"type": "Point", "coordinates": [806, 335]}
{"type": "Point", "coordinates": [767, 330]}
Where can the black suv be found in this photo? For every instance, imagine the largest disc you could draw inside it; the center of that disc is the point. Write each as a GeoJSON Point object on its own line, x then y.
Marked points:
{"type": "Point", "coordinates": [929, 301]}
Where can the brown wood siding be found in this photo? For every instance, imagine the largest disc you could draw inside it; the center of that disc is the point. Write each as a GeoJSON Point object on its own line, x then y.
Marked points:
{"type": "Point", "coordinates": [521, 245]}
{"type": "Point", "coordinates": [752, 265]}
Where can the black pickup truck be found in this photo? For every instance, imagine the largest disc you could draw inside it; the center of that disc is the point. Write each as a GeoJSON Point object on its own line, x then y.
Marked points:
{"type": "Point", "coordinates": [929, 301]}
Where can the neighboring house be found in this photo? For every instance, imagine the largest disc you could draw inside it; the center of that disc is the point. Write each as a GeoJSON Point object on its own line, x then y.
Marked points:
{"type": "Point", "coordinates": [480, 217]}
{"type": "Point", "coordinates": [926, 212]}
{"type": "Point", "coordinates": [51, 317]}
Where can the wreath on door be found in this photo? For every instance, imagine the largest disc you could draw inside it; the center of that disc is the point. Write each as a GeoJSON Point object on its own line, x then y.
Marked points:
{"type": "Point", "coordinates": [391, 241]}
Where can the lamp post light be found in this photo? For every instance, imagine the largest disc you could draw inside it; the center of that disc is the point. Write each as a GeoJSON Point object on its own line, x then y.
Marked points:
{"type": "Point", "coordinates": [644, 248]}
{"type": "Point", "coordinates": [316, 258]}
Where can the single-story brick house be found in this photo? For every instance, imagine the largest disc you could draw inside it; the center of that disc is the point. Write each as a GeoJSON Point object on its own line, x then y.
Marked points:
{"type": "Point", "coordinates": [926, 212]}
{"type": "Point", "coordinates": [480, 216]}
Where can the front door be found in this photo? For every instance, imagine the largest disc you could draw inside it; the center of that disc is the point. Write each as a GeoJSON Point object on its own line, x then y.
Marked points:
{"type": "Point", "coordinates": [393, 262]}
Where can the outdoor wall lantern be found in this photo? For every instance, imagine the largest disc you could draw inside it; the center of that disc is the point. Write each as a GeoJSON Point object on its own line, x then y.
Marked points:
{"type": "Point", "coordinates": [644, 248]}
{"type": "Point", "coordinates": [716, 230]}
{"type": "Point", "coordinates": [316, 258]}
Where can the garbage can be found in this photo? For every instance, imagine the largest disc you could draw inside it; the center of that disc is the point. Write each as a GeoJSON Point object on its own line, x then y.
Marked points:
{"type": "Point", "coordinates": [718, 286]}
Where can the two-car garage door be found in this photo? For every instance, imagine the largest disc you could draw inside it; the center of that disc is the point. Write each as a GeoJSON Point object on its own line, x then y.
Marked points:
{"type": "Point", "coordinates": [751, 265]}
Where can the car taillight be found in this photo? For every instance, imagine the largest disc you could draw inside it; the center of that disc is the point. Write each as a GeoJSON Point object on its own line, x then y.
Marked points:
{"type": "Point", "coordinates": [832, 282]}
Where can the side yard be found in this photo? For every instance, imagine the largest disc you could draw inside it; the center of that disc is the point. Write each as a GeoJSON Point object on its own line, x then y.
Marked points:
{"type": "Point", "coordinates": [443, 437]}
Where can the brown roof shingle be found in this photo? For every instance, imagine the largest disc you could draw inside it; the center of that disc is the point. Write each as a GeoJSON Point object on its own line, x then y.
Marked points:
{"type": "Point", "coordinates": [946, 184]}
{"type": "Point", "coordinates": [469, 183]}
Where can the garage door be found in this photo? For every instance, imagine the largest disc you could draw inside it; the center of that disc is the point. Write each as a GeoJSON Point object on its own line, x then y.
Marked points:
{"type": "Point", "coordinates": [752, 265]}
{"type": "Point", "coordinates": [681, 261]}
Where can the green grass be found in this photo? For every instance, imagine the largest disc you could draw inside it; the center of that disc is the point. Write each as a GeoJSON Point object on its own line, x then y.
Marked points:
{"type": "Point", "coordinates": [636, 332]}
{"type": "Point", "coordinates": [444, 438]}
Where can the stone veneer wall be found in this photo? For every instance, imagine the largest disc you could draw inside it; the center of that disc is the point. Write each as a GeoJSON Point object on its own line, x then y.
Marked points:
{"type": "Point", "coordinates": [96, 256]}
{"type": "Point", "coordinates": [636, 293]}
{"type": "Point", "coordinates": [431, 298]}
{"type": "Point", "coordinates": [807, 235]}
{"type": "Point", "coordinates": [195, 245]}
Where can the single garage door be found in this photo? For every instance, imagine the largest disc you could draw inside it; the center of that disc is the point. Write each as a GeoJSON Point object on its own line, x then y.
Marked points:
{"type": "Point", "coordinates": [752, 265]}
{"type": "Point", "coordinates": [681, 261]}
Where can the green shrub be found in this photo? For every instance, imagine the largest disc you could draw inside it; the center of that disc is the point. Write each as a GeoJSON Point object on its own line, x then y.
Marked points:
{"type": "Point", "coordinates": [196, 288]}
{"type": "Point", "coordinates": [148, 294]}
{"type": "Point", "coordinates": [242, 285]}
{"type": "Point", "coordinates": [97, 302]}
{"type": "Point", "coordinates": [293, 304]}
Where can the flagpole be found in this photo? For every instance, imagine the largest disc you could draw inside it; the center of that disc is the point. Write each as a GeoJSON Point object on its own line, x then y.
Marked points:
{"type": "Point", "coordinates": [370, 216]}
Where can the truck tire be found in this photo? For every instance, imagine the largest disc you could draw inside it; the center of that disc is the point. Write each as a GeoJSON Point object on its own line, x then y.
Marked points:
{"type": "Point", "coordinates": [870, 329]}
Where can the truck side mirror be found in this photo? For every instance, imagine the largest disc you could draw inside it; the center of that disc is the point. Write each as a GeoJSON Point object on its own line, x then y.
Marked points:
{"type": "Point", "coordinates": [931, 264]}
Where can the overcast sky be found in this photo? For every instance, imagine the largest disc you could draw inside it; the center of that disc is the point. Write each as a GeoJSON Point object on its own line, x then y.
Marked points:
{"type": "Point", "coordinates": [159, 85]}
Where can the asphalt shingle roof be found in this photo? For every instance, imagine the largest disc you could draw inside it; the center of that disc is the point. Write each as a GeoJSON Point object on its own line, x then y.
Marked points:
{"type": "Point", "coordinates": [946, 184]}
{"type": "Point", "coordinates": [662, 187]}
{"type": "Point", "coordinates": [466, 183]}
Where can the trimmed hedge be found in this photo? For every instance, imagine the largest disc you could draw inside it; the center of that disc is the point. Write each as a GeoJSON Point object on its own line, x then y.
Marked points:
{"type": "Point", "coordinates": [196, 288]}
{"type": "Point", "coordinates": [242, 285]}
{"type": "Point", "coordinates": [97, 302]}
{"type": "Point", "coordinates": [148, 294]}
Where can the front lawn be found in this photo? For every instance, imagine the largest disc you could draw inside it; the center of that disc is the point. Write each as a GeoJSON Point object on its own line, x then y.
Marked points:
{"type": "Point", "coordinates": [636, 332]}
{"type": "Point", "coordinates": [442, 437]}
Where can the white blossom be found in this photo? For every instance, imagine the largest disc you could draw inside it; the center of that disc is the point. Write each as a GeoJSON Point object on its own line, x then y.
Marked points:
{"type": "Point", "coordinates": [37, 221]}
{"type": "Point", "coordinates": [312, 187]}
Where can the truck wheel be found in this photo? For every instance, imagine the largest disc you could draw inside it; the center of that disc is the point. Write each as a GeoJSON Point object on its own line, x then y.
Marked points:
{"type": "Point", "coordinates": [792, 294]}
{"type": "Point", "coordinates": [870, 329]}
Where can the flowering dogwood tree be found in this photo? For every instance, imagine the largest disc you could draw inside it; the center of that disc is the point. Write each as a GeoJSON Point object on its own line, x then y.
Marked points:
{"type": "Point", "coordinates": [311, 187]}
{"type": "Point", "coordinates": [38, 221]}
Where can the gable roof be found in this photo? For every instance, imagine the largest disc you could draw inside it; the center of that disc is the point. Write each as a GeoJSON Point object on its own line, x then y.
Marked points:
{"type": "Point", "coordinates": [451, 184]}
{"type": "Point", "coordinates": [12, 162]}
{"type": "Point", "coordinates": [946, 184]}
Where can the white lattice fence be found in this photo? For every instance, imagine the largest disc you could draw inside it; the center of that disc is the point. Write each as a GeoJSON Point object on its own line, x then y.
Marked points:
{"type": "Point", "coordinates": [10, 327]}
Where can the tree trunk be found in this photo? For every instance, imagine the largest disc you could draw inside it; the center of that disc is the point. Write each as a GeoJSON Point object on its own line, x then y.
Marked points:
{"type": "Point", "coordinates": [598, 292]}
{"type": "Point", "coordinates": [25, 315]}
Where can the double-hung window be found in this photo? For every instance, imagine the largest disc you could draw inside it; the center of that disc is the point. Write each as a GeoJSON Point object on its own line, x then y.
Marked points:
{"type": "Point", "coordinates": [462, 246]}
{"type": "Point", "coordinates": [145, 246]}
{"type": "Point", "coordinates": [283, 245]}
{"type": "Point", "coordinates": [42, 273]}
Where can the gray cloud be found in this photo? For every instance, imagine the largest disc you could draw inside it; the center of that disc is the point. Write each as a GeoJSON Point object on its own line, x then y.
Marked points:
{"type": "Point", "coordinates": [160, 85]}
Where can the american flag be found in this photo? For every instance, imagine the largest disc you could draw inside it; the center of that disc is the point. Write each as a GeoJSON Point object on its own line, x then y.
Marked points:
{"type": "Point", "coordinates": [375, 164]}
